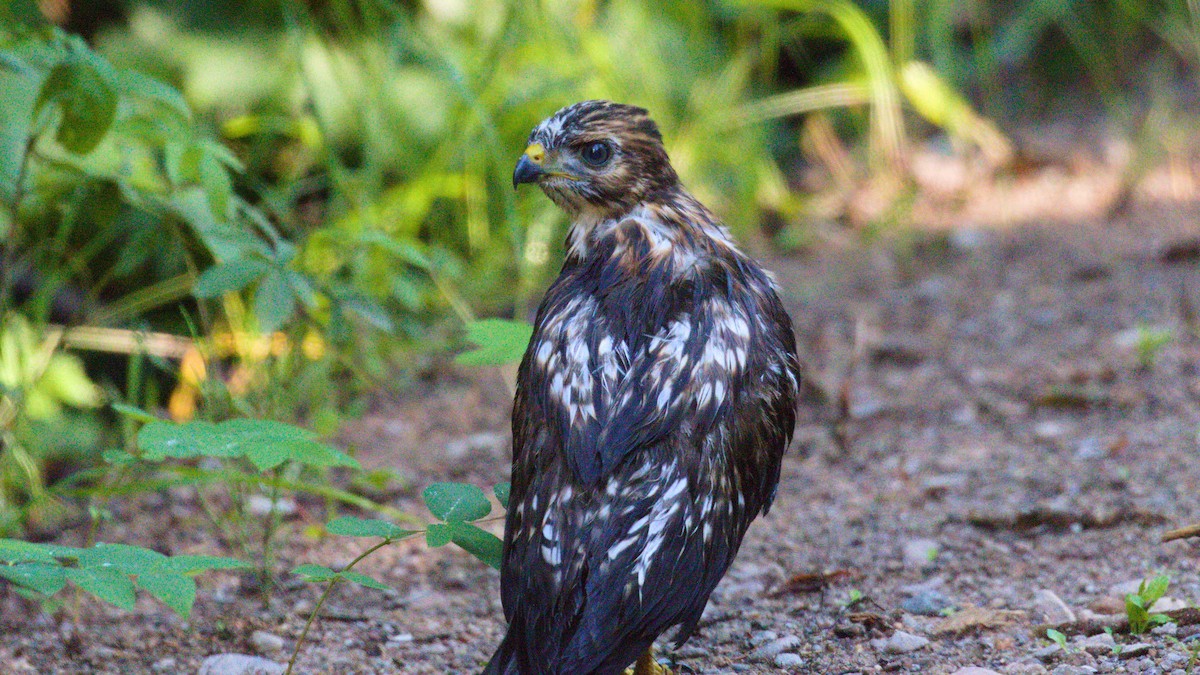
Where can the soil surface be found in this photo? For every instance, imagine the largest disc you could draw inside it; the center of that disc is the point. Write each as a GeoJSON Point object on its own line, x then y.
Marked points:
{"type": "Point", "coordinates": [993, 442]}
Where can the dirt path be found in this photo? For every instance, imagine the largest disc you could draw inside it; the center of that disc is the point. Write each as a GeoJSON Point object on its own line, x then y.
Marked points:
{"type": "Point", "coordinates": [1003, 441]}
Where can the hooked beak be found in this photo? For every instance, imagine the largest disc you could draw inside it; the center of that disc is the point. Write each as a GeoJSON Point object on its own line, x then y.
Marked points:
{"type": "Point", "coordinates": [529, 167]}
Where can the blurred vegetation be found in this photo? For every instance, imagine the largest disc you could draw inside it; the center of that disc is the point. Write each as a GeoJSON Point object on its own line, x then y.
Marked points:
{"type": "Point", "coordinates": [268, 208]}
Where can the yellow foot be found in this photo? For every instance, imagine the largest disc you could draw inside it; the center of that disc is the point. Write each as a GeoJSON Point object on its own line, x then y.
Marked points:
{"type": "Point", "coordinates": [646, 665]}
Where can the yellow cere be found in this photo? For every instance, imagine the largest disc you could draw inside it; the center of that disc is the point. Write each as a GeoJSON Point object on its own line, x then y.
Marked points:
{"type": "Point", "coordinates": [536, 153]}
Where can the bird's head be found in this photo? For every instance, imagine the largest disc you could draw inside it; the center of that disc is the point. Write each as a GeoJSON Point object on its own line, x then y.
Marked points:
{"type": "Point", "coordinates": [597, 158]}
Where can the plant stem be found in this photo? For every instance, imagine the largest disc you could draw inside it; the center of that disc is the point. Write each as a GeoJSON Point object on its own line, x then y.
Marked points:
{"type": "Point", "coordinates": [321, 601]}
{"type": "Point", "coordinates": [8, 256]}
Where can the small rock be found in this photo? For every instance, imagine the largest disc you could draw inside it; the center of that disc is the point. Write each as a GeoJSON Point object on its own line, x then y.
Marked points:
{"type": "Point", "coordinates": [900, 643]}
{"type": "Point", "coordinates": [1025, 667]}
{"type": "Point", "coordinates": [1108, 605]}
{"type": "Point", "coordinates": [762, 636]}
{"type": "Point", "coordinates": [1171, 629]}
{"type": "Point", "coordinates": [166, 665]}
{"type": "Point", "coordinates": [1168, 604]}
{"type": "Point", "coordinates": [1047, 653]}
{"type": "Point", "coordinates": [928, 602]}
{"type": "Point", "coordinates": [401, 637]}
{"type": "Point", "coordinates": [1050, 430]}
{"type": "Point", "coordinates": [974, 670]}
{"type": "Point", "coordinates": [775, 647]}
{"type": "Point", "coordinates": [849, 630]}
{"type": "Point", "coordinates": [789, 660]}
{"type": "Point", "coordinates": [239, 664]}
{"type": "Point", "coordinates": [920, 553]}
{"type": "Point", "coordinates": [1067, 669]}
{"type": "Point", "coordinates": [1135, 650]}
{"type": "Point", "coordinates": [266, 643]}
{"type": "Point", "coordinates": [1051, 608]}
{"type": "Point", "coordinates": [1099, 644]}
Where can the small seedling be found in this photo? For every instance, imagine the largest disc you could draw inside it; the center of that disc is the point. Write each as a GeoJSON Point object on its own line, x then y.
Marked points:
{"type": "Point", "coordinates": [1137, 605]}
{"type": "Point", "coordinates": [458, 506]}
{"type": "Point", "coordinates": [1059, 639]}
{"type": "Point", "coordinates": [1149, 342]}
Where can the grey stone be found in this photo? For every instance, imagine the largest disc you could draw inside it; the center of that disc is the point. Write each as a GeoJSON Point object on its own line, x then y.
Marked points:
{"type": "Point", "coordinates": [920, 553]}
{"type": "Point", "coordinates": [1135, 650]}
{"type": "Point", "coordinates": [788, 660]}
{"type": "Point", "coordinates": [1052, 608]}
{"type": "Point", "coordinates": [266, 643]}
{"type": "Point", "coordinates": [775, 647]}
{"type": "Point", "coordinates": [239, 664]}
{"type": "Point", "coordinates": [1099, 644]}
{"type": "Point", "coordinates": [762, 636]}
{"type": "Point", "coordinates": [165, 665]}
{"type": "Point", "coordinates": [928, 602]}
{"type": "Point", "coordinates": [974, 670]}
{"type": "Point", "coordinates": [900, 642]}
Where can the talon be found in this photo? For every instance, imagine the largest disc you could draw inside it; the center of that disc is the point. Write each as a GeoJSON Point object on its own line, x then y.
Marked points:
{"type": "Point", "coordinates": [648, 665]}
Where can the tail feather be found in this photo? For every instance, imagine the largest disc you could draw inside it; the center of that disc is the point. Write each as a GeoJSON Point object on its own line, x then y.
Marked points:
{"type": "Point", "coordinates": [504, 661]}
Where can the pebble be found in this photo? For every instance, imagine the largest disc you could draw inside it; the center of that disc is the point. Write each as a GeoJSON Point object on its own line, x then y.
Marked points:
{"type": "Point", "coordinates": [1052, 608]}
{"type": "Point", "coordinates": [1050, 430]}
{"type": "Point", "coordinates": [900, 643]}
{"type": "Point", "coordinates": [762, 636]}
{"type": "Point", "coordinates": [401, 637]}
{"type": "Point", "coordinates": [1171, 629]}
{"type": "Point", "coordinates": [775, 647]}
{"type": "Point", "coordinates": [927, 602]}
{"type": "Point", "coordinates": [239, 664]}
{"type": "Point", "coordinates": [920, 553]}
{"type": "Point", "coordinates": [974, 670]}
{"type": "Point", "coordinates": [266, 643]}
{"type": "Point", "coordinates": [1134, 650]}
{"type": "Point", "coordinates": [1099, 644]}
{"type": "Point", "coordinates": [1066, 669]}
{"type": "Point", "coordinates": [788, 660]}
{"type": "Point", "coordinates": [166, 665]}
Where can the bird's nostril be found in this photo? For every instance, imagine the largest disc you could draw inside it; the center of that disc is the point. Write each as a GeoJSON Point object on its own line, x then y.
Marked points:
{"type": "Point", "coordinates": [536, 153]}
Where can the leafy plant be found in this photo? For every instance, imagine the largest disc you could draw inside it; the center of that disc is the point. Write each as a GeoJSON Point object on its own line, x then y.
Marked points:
{"type": "Point", "coordinates": [1057, 637]}
{"type": "Point", "coordinates": [1138, 605]}
{"type": "Point", "coordinates": [1149, 341]}
{"type": "Point", "coordinates": [110, 572]}
{"type": "Point", "coordinates": [244, 458]}
{"type": "Point", "coordinates": [457, 505]}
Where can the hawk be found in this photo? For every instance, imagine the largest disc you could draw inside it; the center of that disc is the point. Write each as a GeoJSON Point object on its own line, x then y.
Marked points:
{"type": "Point", "coordinates": [654, 405]}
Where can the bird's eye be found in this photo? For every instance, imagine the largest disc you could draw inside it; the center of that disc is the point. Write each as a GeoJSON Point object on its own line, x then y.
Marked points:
{"type": "Point", "coordinates": [596, 154]}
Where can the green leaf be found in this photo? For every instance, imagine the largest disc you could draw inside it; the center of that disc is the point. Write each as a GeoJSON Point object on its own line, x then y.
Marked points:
{"type": "Point", "coordinates": [17, 551]}
{"type": "Point", "coordinates": [1154, 590]}
{"type": "Point", "coordinates": [223, 239]}
{"type": "Point", "coordinates": [438, 534]}
{"type": "Point", "coordinates": [117, 457]}
{"type": "Point", "coordinates": [500, 342]}
{"type": "Point", "coordinates": [501, 491]}
{"type": "Point", "coordinates": [363, 580]}
{"type": "Point", "coordinates": [143, 86]}
{"type": "Point", "coordinates": [44, 578]}
{"type": "Point", "coordinates": [349, 526]}
{"type": "Point", "coordinates": [480, 543]}
{"type": "Point", "coordinates": [134, 412]}
{"type": "Point", "coordinates": [456, 502]}
{"type": "Point", "coordinates": [176, 591]}
{"type": "Point", "coordinates": [120, 557]}
{"type": "Point", "coordinates": [316, 573]}
{"type": "Point", "coordinates": [18, 93]}
{"type": "Point", "coordinates": [191, 564]}
{"type": "Point", "coordinates": [83, 87]}
{"type": "Point", "coordinates": [229, 277]}
{"type": "Point", "coordinates": [274, 302]}
{"type": "Point", "coordinates": [107, 584]}
{"type": "Point", "coordinates": [268, 455]}
{"type": "Point", "coordinates": [159, 440]}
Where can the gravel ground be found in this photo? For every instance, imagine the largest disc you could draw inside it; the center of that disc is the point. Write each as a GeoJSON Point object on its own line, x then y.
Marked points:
{"type": "Point", "coordinates": [983, 454]}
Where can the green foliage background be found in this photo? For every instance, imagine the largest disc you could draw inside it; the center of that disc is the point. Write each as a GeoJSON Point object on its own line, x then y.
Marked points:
{"type": "Point", "coordinates": [306, 198]}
